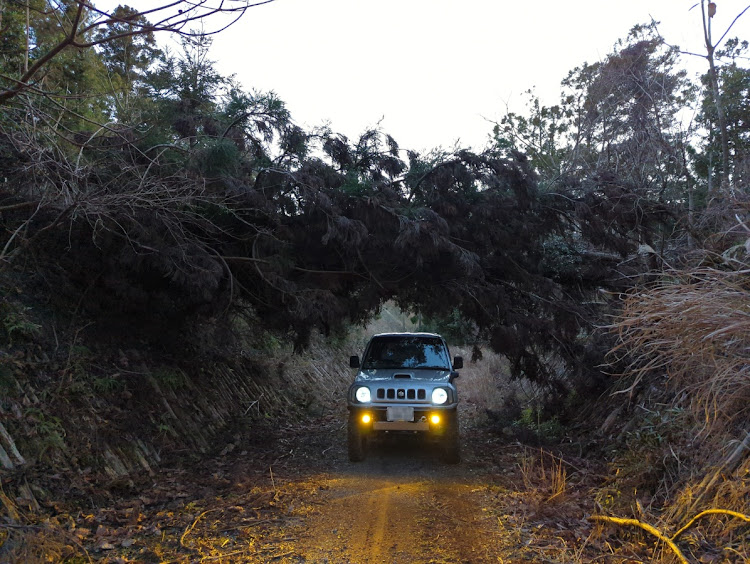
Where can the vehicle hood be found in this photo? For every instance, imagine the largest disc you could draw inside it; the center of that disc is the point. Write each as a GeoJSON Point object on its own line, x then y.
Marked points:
{"type": "Point", "coordinates": [415, 374]}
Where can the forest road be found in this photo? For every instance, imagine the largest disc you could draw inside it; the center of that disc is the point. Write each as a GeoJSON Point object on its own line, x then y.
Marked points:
{"type": "Point", "coordinates": [401, 505]}
{"type": "Point", "coordinates": [289, 495]}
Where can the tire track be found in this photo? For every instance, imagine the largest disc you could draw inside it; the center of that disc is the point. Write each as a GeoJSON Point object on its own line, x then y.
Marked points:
{"type": "Point", "coordinates": [373, 520]}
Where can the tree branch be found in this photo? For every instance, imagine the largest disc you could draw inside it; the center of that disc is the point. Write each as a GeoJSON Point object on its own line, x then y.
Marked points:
{"type": "Point", "coordinates": [68, 40]}
{"type": "Point", "coordinates": [742, 516]}
{"type": "Point", "coordinates": [734, 21]}
{"type": "Point", "coordinates": [646, 527]}
{"type": "Point", "coordinates": [174, 23]}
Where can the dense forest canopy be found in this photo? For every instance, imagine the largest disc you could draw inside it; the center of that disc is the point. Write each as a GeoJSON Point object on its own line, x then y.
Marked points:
{"type": "Point", "coordinates": [170, 238]}
{"type": "Point", "coordinates": [143, 187]}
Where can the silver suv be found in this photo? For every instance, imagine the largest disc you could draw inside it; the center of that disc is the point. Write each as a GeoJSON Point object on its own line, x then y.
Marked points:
{"type": "Point", "coordinates": [404, 384]}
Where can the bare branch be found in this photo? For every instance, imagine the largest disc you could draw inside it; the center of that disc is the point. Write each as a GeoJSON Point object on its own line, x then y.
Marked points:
{"type": "Point", "coordinates": [175, 16]}
{"type": "Point", "coordinates": [67, 41]}
{"type": "Point", "coordinates": [734, 21]}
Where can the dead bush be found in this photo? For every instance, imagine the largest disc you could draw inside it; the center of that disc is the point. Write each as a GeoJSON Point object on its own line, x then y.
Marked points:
{"type": "Point", "coordinates": [695, 327]}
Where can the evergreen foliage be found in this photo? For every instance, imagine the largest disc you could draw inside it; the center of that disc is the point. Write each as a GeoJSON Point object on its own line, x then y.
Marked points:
{"type": "Point", "coordinates": [201, 198]}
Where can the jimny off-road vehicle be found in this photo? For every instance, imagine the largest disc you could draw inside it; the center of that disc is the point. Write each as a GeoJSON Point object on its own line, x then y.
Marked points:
{"type": "Point", "coordinates": [404, 384]}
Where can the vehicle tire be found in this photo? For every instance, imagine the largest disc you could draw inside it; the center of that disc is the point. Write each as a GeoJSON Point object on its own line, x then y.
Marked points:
{"type": "Point", "coordinates": [451, 441]}
{"type": "Point", "coordinates": [356, 440]}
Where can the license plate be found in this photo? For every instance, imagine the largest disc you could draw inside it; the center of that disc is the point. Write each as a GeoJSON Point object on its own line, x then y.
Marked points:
{"type": "Point", "coordinates": [400, 413]}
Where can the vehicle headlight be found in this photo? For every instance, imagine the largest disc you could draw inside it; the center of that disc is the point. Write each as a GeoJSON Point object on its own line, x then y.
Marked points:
{"type": "Point", "coordinates": [439, 396]}
{"type": "Point", "coordinates": [362, 394]}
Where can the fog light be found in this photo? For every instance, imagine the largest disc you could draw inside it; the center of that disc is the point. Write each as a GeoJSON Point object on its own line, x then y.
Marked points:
{"type": "Point", "coordinates": [366, 418]}
{"type": "Point", "coordinates": [434, 419]}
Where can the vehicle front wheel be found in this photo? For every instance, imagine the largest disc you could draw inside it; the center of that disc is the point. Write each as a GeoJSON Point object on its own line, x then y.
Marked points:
{"type": "Point", "coordinates": [451, 441]}
{"type": "Point", "coordinates": [356, 440]}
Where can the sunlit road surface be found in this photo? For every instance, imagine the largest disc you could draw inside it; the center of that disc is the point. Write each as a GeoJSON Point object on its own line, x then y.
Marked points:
{"type": "Point", "coordinates": [402, 505]}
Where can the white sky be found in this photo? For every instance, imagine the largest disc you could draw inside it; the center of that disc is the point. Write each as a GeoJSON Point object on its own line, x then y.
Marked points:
{"type": "Point", "coordinates": [435, 71]}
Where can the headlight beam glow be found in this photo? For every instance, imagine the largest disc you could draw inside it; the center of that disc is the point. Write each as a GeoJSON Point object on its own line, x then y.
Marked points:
{"type": "Point", "coordinates": [362, 394]}
{"type": "Point", "coordinates": [439, 396]}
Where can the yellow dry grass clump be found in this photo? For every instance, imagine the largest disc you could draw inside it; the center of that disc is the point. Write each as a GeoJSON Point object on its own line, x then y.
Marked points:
{"type": "Point", "coordinates": [694, 326]}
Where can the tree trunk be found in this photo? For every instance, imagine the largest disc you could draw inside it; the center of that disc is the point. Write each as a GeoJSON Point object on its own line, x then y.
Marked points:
{"type": "Point", "coordinates": [722, 122]}
{"type": "Point", "coordinates": [714, 79]}
{"type": "Point", "coordinates": [26, 54]}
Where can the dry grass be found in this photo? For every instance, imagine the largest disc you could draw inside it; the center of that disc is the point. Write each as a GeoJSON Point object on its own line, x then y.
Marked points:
{"type": "Point", "coordinates": [485, 383]}
{"type": "Point", "coordinates": [24, 539]}
{"type": "Point", "coordinates": [322, 372]}
{"type": "Point", "coordinates": [36, 544]}
{"type": "Point", "coordinates": [544, 473]}
{"type": "Point", "coordinates": [695, 327]}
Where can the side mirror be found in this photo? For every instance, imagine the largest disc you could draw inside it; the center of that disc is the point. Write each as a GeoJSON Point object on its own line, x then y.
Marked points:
{"type": "Point", "coordinates": [354, 361]}
{"type": "Point", "coordinates": [458, 362]}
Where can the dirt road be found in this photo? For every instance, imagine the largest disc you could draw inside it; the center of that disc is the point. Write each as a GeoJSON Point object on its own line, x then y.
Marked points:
{"type": "Point", "coordinates": [287, 494]}
{"type": "Point", "coordinates": [290, 496]}
{"type": "Point", "coordinates": [402, 505]}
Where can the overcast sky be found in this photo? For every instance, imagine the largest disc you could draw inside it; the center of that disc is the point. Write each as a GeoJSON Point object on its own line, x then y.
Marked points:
{"type": "Point", "coordinates": [437, 71]}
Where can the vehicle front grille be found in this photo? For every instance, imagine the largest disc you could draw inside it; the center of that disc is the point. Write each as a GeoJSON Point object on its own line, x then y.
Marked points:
{"type": "Point", "coordinates": [401, 394]}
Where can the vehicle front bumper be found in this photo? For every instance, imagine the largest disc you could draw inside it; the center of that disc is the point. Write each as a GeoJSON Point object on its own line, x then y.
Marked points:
{"type": "Point", "coordinates": [422, 420]}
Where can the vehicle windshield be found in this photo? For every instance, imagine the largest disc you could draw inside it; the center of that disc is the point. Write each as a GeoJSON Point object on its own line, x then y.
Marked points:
{"type": "Point", "coordinates": [406, 352]}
